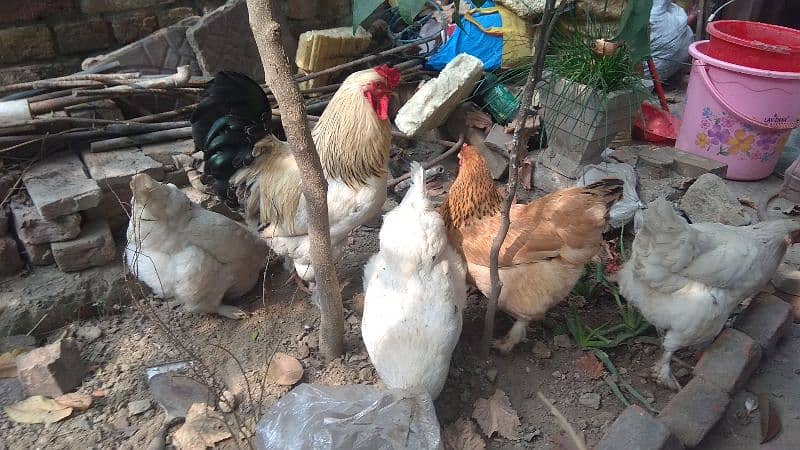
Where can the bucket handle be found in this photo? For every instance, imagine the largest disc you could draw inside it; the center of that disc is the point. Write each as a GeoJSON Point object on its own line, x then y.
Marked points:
{"type": "Point", "coordinates": [742, 116]}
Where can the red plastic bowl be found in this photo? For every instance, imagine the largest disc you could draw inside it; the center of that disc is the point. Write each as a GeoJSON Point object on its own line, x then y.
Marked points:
{"type": "Point", "coordinates": [656, 126]}
{"type": "Point", "coordinates": [755, 44]}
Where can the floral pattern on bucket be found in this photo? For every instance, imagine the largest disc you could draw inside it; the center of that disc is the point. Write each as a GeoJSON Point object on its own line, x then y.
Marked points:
{"type": "Point", "coordinates": [726, 136]}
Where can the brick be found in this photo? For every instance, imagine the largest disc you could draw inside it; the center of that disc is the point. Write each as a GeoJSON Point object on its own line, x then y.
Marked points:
{"type": "Point", "coordinates": [767, 320]}
{"type": "Point", "coordinates": [117, 167]}
{"type": "Point", "coordinates": [84, 36]}
{"type": "Point", "coordinates": [163, 152]}
{"type": "Point", "coordinates": [692, 166]}
{"type": "Point", "coordinates": [59, 186]}
{"type": "Point", "coordinates": [729, 361]}
{"type": "Point", "coordinates": [132, 27]}
{"type": "Point", "coordinates": [435, 100]}
{"type": "Point", "coordinates": [32, 72]}
{"type": "Point", "coordinates": [161, 52]}
{"type": "Point", "coordinates": [5, 220]}
{"type": "Point", "coordinates": [33, 10]}
{"type": "Point", "coordinates": [38, 254]}
{"type": "Point", "coordinates": [498, 140]}
{"type": "Point", "coordinates": [32, 228]}
{"type": "Point", "coordinates": [694, 410]}
{"type": "Point", "coordinates": [10, 261]}
{"type": "Point", "coordinates": [635, 429]}
{"type": "Point", "coordinates": [787, 279]}
{"type": "Point", "coordinates": [26, 44]}
{"type": "Point", "coordinates": [93, 247]}
{"type": "Point", "coordinates": [223, 40]}
{"type": "Point", "coordinates": [105, 6]}
{"type": "Point", "coordinates": [51, 370]}
{"type": "Point", "coordinates": [114, 208]}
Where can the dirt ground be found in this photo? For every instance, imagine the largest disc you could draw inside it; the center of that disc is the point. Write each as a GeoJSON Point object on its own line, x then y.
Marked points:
{"type": "Point", "coordinates": [151, 333]}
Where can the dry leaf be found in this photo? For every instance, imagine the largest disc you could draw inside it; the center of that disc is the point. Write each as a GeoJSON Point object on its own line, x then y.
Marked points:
{"type": "Point", "coordinates": [8, 362]}
{"type": "Point", "coordinates": [98, 393]}
{"type": "Point", "coordinates": [496, 415]}
{"type": "Point", "coordinates": [462, 435]}
{"type": "Point", "coordinates": [770, 422]}
{"type": "Point", "coordinates": [81, 402]}
{"type": "Point", "coordinates": [590, 365]}
{"type": "Point", "coordinates": [745, 201]}
{"type": "Point", "coordinates": [37, 409]}
{"type": "Point", "coordinates": [284, 370]}
{"type": "Point", "coordinates": [203, 428]}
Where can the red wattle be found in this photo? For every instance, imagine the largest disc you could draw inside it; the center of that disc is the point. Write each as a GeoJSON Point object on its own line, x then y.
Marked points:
{"type": "Point", "coordinates": [382, 108]}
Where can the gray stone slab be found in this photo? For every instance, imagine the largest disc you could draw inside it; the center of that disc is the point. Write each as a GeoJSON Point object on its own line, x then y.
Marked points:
{"type": "Point", "coordinates": [164, 151]}
{"type": "Point", "coordinates": [59, 186]}
{"type": "Point", "coordinates": [117, 167]}
{"type": "Point", "coordinates": [94, 247]}
{"type": "Point", "coordinates": [32, 228]}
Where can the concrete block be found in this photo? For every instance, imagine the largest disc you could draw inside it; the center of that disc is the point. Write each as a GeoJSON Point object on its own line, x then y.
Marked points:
{"type": "Point", "coordinates": [767, 320]}
{"type": "Point", "coordinates": [93, 247]}
{"type": "Point", "coordinates": [435, 100]}
{"type": "Point", "coordinates": [51, 370]}
{"type": "Point", "coordinates": [117, 167]}
{"type": "Point", "coordinates": [694, 410]}
{"type": "Point", "coordinates": [59, 186]}
{"type": "Point", "coordinates": [10, 261]}
{"type": "Point", "coordinates": [164, 151]}
{"type": "Point", "coordinates": [161, 52]}
{"type": "Point", "coordinates": [32, 228]}
{"type": "Point", "coordinates": [223, 40]}
{"type": "Point", "coordinates": [787, 279]}
{"type": "Point", "coordinates": [635, 429]}
{"type": "Point", "coordinates": [692, 166]}
{"type": "Point", "coordinates": [549, 180]}
{"type": "Point", "coordinates": [729, 361]}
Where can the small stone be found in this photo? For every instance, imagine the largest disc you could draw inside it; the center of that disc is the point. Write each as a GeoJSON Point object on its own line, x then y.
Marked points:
{"type": "Point", "coordinates": [557, 374]}
{"type": "Point", "coordinates": [303, 351]}
{"type": "Point", "coordinates": [51, 370]}
{"type": "Point", "coordinates": [365, 374]}
{"type": "Point", "coordinates": [227, 401]}
{"type": "Point", "coordinates": [89, 333]}
{"type": "Point", "coordinates": [541, 351]}
{"type": "Point", "coordinates": [313, 341]}
{"type": "Point", "coordinates": [562, 341]}
{"type": "Point", "coordinates": [681, 372]}
{"type": "Point", "coordinates": [491, 375]}
{"type": "Point", "coordinates": [590, 400]}
{"type": "Point", "coordinates": [138, 407]}
{"type": "Point", "coordinates": [528, 437]}
{"type": "Point", "coordinates": [710, 200]}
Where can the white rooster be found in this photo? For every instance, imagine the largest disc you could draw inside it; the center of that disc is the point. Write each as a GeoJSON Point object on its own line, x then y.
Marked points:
{"type": "Point", "coordinates": [183, 251]}
{"type": "Point", "coordinates": [415, 291]}
{"type": "Point", "coordinates": [687, 279]}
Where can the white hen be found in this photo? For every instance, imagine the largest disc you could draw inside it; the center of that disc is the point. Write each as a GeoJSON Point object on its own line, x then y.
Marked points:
{"type": "Point", "coordinates": [415, 291]}
{"type": "Point", "coordinates": [686, 279]}
{"type": "Point", "coordinates": [183, 251]}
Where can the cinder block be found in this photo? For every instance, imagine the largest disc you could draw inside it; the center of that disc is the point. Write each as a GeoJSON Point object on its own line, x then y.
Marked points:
{"type": "Point", "coordinates": [93, 247]}
{"type": "Point", "coordinates": [32, 228]}
{"type": "Point", "coordinates": [59, 186]}
{"type": "Point", "coordinates": [767, 320]}
{"type": "Point", "coordinates": [729, 361]}
{"type": "Point", "coordinates": [635, 429]}
{"type": "Point", "coordinates": [435, 100]}
{"type": "Point", "coordinates": [694, 410]}
{"type": "Point", "coordinates": [117, 167]}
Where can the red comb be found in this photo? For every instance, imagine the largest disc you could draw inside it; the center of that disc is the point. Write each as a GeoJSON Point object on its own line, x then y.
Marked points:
{"type": "Point", "coordinates": [391, 75]}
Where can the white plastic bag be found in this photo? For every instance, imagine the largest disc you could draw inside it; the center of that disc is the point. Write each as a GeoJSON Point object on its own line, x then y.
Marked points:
{"type": "Point", "coordinates": [670, 37]}
{"type": "Point", "coordinates": [629, 207]}
{"type": "Point", "coordinates": [351, 417]}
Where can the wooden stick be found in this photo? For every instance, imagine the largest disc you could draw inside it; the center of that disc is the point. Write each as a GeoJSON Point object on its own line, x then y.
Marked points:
{"type": "Point", "coordinates": [78, 78]}
{"type": "Point", "coordinates": [141, 139]}
{"type": "Point", "coordinates": [121, 93]}
{"type": "Point", "coordinates": [166, 115]}
{"type": "Point", "coordinates": [456, 146]}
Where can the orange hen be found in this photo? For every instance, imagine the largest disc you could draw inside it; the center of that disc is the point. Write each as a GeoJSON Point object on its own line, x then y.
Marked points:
{"type": "Point", "coordinates": [548, 243]}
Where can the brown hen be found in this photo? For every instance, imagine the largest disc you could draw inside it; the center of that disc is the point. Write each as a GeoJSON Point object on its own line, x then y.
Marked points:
{"type": "Point", "coordinates": [548, 243]}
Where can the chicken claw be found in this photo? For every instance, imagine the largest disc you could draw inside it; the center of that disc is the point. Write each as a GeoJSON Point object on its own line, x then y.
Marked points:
{"type": "Point", "coordinates": [298, 280]}
{"type": "Point", "coordinates": [663, 373]}
{"type": "Point", "coordinates": [232, 312]}
{"type": "Point", "coordinates": [514, 337]}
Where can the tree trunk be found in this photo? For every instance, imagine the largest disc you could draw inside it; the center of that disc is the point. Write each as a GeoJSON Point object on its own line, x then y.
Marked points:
{"type": "Point", "coordinates": [278, 76]}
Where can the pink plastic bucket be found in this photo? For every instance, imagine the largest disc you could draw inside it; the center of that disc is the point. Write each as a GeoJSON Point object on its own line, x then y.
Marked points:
{"type": "Point", "coordinates": [738, 115]}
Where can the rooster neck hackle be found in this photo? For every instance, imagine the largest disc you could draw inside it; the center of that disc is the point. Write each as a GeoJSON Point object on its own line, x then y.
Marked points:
{"type": "Point", "coordinates": [352, 142]}
{"type": "Point", "coordinates": [473, 195]}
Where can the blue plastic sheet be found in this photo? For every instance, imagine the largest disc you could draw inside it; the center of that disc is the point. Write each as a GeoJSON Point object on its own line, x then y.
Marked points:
{"type": "Point", "coordinates": [471, 40]}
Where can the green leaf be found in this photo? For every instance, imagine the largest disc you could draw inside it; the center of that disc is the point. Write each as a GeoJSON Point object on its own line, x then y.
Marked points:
{"type": "Point", "coordinates": [362, 9]}
{"type": "Point", "coordinates": [409, 9]}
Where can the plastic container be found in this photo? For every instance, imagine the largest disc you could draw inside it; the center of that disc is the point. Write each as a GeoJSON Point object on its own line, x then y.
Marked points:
{"type": "Point", "coordinates": [738, 115]}
{"type": "Point", "coordinates": [755, 44]}
{"type": "Point", "coordinates": [498, 100]}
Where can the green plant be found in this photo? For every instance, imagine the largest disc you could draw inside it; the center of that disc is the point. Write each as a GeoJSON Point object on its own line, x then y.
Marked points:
{"type": "Point", "coordinates": [587, 337]}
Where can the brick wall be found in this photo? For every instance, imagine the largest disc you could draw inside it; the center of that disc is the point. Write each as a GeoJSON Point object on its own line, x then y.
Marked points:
{"type": "Point", "coordinates": [46, 38]}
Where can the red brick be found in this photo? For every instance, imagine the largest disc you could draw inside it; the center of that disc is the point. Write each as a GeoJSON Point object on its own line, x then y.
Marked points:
{"type": "Point", "coordinates": [13, 11]}
{"type": "Point", "coordinates": [767, 320]}
{"type": "Point", "coordinates": [636, 429]}
{"type": "Point", "coordinates": [694, 410]}
{"type": "Point", "coordinates": [25, 44]}
{"type": "Point", "coordinates": [729, 361]}
{"type": "Point", "coordinates": [82, 37]}
{"type": "Point", "coordinates": [51, 370]}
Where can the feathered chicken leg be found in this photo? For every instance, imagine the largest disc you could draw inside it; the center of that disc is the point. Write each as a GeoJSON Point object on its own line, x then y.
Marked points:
{"type": "Point", "coordinates": [662, 370]}
{"type": "Point", "coordinates": [515, 335]}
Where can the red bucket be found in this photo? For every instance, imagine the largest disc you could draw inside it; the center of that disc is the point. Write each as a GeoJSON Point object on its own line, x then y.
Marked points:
{"type": "Point", "coordinates": [755, 44]}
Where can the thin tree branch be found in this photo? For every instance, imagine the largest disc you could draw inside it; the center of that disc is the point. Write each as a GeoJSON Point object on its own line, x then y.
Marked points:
{"type": "Point", "coordinates": [518, 143]}
{"type": "Point", "coordinates": [278, 75]}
